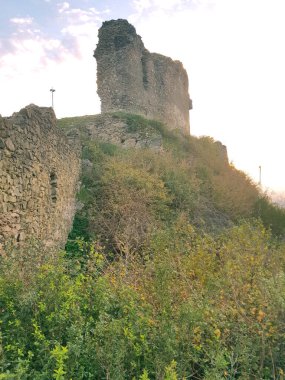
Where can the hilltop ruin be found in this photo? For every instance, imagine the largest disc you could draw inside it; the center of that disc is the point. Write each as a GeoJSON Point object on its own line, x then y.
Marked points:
{"type": "Point", "coordinates": [40, 165]}
{"type": "Point", "coordinates": [131, 79]}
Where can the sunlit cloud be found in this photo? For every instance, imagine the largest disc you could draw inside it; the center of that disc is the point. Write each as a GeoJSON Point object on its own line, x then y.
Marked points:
{"type": "Point", "coordinates": [142, 8]}
{"type": "Point", "coordinates": [146, 5]}
{"type": "Point", "coordinates": [22, 20]}
{"type": "Point", "coordinates": [77, 25]}
{"type": "Point", "coordinates": [65, 61]}
{"type": "Point", "coordinates": [80, 27]}
{"type": "Point", "coordinates": [62, 7]}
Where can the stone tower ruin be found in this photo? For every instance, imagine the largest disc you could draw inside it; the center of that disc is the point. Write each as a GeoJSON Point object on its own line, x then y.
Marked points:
{"type": "Point", "coordinates": [131, 79]}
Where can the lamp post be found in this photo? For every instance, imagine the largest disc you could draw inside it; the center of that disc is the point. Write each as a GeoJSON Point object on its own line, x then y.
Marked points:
{"type": "Point", "coordinates": [259, 175]}
{"type": "Point", "coordinates": [52, 90]}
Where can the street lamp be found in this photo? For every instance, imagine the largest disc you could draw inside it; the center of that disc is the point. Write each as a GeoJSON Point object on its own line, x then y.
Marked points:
{"type": "Point", "coordinates": [52, 90]}
{"type": "Point", "coordinates": [259, 175]}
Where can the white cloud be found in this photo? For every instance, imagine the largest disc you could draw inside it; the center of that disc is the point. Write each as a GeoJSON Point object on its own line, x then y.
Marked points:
{"type": "Point", "coordinates": [30, 81]}
{"type": "Point", "coordinates": [80, 29]}
{"type": "Point", "coordinates": [146, 5]}
{"type": "Point", "coordinates": [78, 15]}
{"type": "Point", "coordinates": [141, 5]}
{"type": "Point", "coordinates": [32, 62]}
{"type": "Point", "coordinates": [22, 20]}
{"type": "Point", "coordinates": [62, 7]}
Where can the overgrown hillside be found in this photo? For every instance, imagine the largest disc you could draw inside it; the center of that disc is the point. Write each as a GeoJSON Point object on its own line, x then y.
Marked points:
{"type": "Point", "coordinates": [174, 269]}
{"type": "Point", "coordinates": [136, 191]}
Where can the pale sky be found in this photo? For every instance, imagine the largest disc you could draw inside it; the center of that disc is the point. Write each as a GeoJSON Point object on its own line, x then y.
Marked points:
{"type": "Point", "coordinates": [233, 51]}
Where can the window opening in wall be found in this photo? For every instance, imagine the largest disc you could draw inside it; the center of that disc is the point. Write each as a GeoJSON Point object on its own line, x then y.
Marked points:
{"type": "Point", "coordinates": [53, 185]}
{"type": "Point", "coordinates": [144, 72]}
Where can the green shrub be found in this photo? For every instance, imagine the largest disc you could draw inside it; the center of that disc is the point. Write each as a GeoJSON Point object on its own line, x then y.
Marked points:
{"type": "Point", "coordinates": [271, 215]}
{"type": "Point", "coordinates": [196, 306]}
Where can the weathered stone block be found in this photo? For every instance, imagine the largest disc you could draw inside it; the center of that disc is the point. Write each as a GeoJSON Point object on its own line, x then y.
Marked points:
{"type": "Point", "coordinates": [10, 145]}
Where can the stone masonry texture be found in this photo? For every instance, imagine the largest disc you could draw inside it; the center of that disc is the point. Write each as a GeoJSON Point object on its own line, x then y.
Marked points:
{"type": "Point", "coordinates": [130, 78]}
{"type": "Point", "coordinates": [39, 174]}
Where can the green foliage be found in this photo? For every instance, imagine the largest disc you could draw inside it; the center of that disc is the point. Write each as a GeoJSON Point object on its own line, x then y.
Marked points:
{"type": "Point", "coordinates": [137, 123]}
{"type": "Point", "coordinates": [132, 201]}
{"type": "Point", "coordinates": [68, 123]}
{"type": "Point", "coordinates": [170, 371]}
{"type": "Point", "coordinates": [144, 376]}
{"type": "Point", "coordinates": [272, 215]}
{"type": "Point", "coordinates": [60, 354]}
{"type": "Point", "coordinates": [198, 307]}
{"type": "Point", "coordinates": [141, 292]}
{"type": "Point", "coordinates": [80, 227]}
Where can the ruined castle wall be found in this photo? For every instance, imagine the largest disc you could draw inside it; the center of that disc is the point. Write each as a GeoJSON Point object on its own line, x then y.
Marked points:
{"type": "Point", "coordinates": [132, 79]}
{"type": "Point", "coordinates": [39, 174]}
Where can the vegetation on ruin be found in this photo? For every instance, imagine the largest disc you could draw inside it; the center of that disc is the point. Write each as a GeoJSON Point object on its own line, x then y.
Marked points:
{"type": "Point", "coordinates": [174, 269]}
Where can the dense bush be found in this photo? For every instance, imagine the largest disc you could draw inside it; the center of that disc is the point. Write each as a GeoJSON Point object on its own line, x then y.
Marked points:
{"type": "Point", "coordinates": [272, 215]}
{"type": "Point", "coordinates": [128, 194]}
{"type": "Point", "coordinates": [196, 307]}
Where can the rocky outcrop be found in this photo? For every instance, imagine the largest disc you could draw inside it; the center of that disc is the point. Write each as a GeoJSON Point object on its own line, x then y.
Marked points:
{"type": "Point", "coordinates": [39, 174]}
{"type": "Point", "coordinates": [124, 130]}
{"type": "Point", "coordinates": [132, 79]}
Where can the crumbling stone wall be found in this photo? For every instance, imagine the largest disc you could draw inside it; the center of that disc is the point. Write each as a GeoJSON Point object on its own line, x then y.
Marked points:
{"type": "Point", "coordinates": [132, 79]}
{"type": "Point", "coordinates": [39, 174]}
